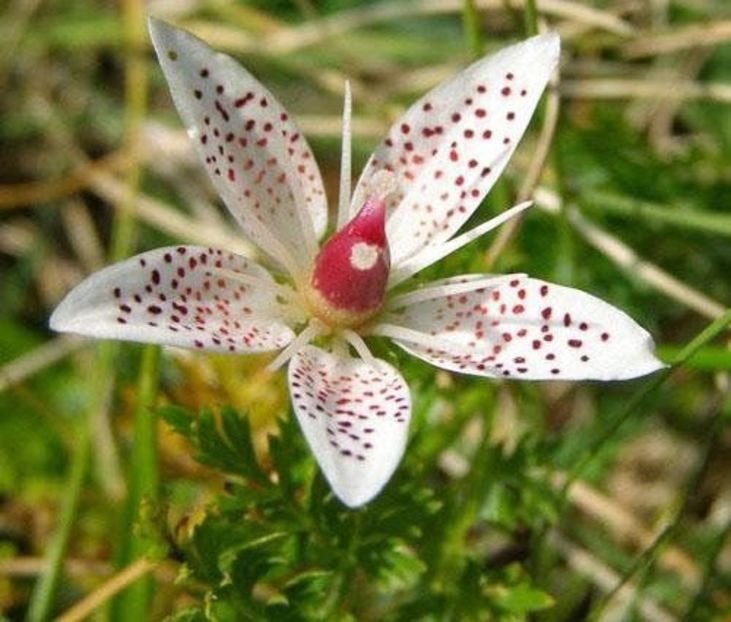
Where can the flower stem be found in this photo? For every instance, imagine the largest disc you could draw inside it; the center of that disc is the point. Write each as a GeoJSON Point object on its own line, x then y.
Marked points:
{"type": "Point", "coordinates": [44, 592]}
{"type": "Point", "coordinates": [471, 26]}
{"type": "Point", "coordinates": [142, 483]}
{"type": "Point", "coordinates": [530, 18]}
{"type": "Point", "coordinates": [42, 598]}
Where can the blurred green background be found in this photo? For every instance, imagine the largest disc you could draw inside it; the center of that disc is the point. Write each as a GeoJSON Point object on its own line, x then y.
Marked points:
{"type": "Point", "coordinates": [554, 501]}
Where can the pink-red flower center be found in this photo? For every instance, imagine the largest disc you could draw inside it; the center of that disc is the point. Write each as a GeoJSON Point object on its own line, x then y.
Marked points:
{"type": "Point", "coordinates": [349, 276]}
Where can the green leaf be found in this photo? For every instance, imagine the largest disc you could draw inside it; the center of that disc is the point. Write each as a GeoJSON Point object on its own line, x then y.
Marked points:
{"type": "Point", "coordinates": [520, 599]}
{"type": "Point", "coordinates": [180, 419]}
{"type": "Point", "coordinates": [399, 566]}
{"type": "Point", "coordinates": [193, 614]}
{"type": "Point", "coordinates": [222, 440]}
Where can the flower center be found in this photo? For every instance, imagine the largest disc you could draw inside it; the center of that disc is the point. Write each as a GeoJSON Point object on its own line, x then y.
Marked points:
{"type": "Point", "coordinates": [349, 275]}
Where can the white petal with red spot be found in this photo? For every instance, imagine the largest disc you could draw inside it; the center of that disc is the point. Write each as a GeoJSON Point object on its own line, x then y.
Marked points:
{"type": "Point", "coordinates": [355, 417]}
{"type": "Point", "coordinates": [445, 154]}
{"type": "Point", "coordinates": [450, 147]}
{"type": "Point", "coordinates": [530, 329]}
{"type": "Point", "coordinates": [259, 162]}
{"type": "Point", "coordinates": [184, 296]}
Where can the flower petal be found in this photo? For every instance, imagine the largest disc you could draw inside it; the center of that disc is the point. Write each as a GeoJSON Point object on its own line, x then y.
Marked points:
{"type": "Point", "coordinates": [450, 147]}
{"type": "Point", "coordinates": [525, 328]}
{"type": "Point", "coordinates": [258, 160]}
{"type": "Point", "coordinates": [355, 417]}
{"type": "Point", "coordinates": [187, 296]}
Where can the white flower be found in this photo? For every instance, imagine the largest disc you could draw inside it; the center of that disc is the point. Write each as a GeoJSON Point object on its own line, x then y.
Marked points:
{"type": "Point", "coordinates": [420, 186]}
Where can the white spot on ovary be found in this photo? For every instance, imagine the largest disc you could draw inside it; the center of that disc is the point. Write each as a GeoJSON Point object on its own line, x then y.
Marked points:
{"type": "Point", "coordinates": [363, 256]}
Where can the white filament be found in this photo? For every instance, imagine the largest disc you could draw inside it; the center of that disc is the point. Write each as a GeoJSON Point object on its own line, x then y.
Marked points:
{"type": "Point", "coordinates": [345, 159]}
{"type": "Point", "coordinates": [300, 341]}
{"type": "Point", "coordinates": [401, 333]}
{"type": "Point", "coordinates": [355, 340]}
{"type": "Point", "coordinates": [432, 254]}
{"type": "Point", "coordinates": [448, 289]}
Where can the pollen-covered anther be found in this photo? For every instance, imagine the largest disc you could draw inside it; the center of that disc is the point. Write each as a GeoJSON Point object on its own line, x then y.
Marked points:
{"type": "Point", "coordinates": [349, 276]}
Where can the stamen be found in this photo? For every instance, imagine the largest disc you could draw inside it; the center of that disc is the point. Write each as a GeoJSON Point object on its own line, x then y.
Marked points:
{"type": "Point", "coordinates": [355, 340]}
{"type": "Point", "coordinates": [340, 349]}
{"type": "Point", "coordinates": [313, 329]}
{"type": "Point", "coordinates": [394, 331]}
{"type": "Point", "coordinates": [433, 254]}
{"type": "Point", "coordinates": [448, 289]}
{"type": "Point", "coordinates": [345, 158]}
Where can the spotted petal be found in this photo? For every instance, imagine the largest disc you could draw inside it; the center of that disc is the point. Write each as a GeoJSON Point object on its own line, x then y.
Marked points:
{"type": "Point", "coordinates": [450, 147]}
{"type": "Point", "coordinates": [525, 328]}
{"type": "Point", "coordinates": [186, 296]}
{"type": "Point", "coordinates": [355, 417]}
{"type": "Point", "coordinates": [258, 160]}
